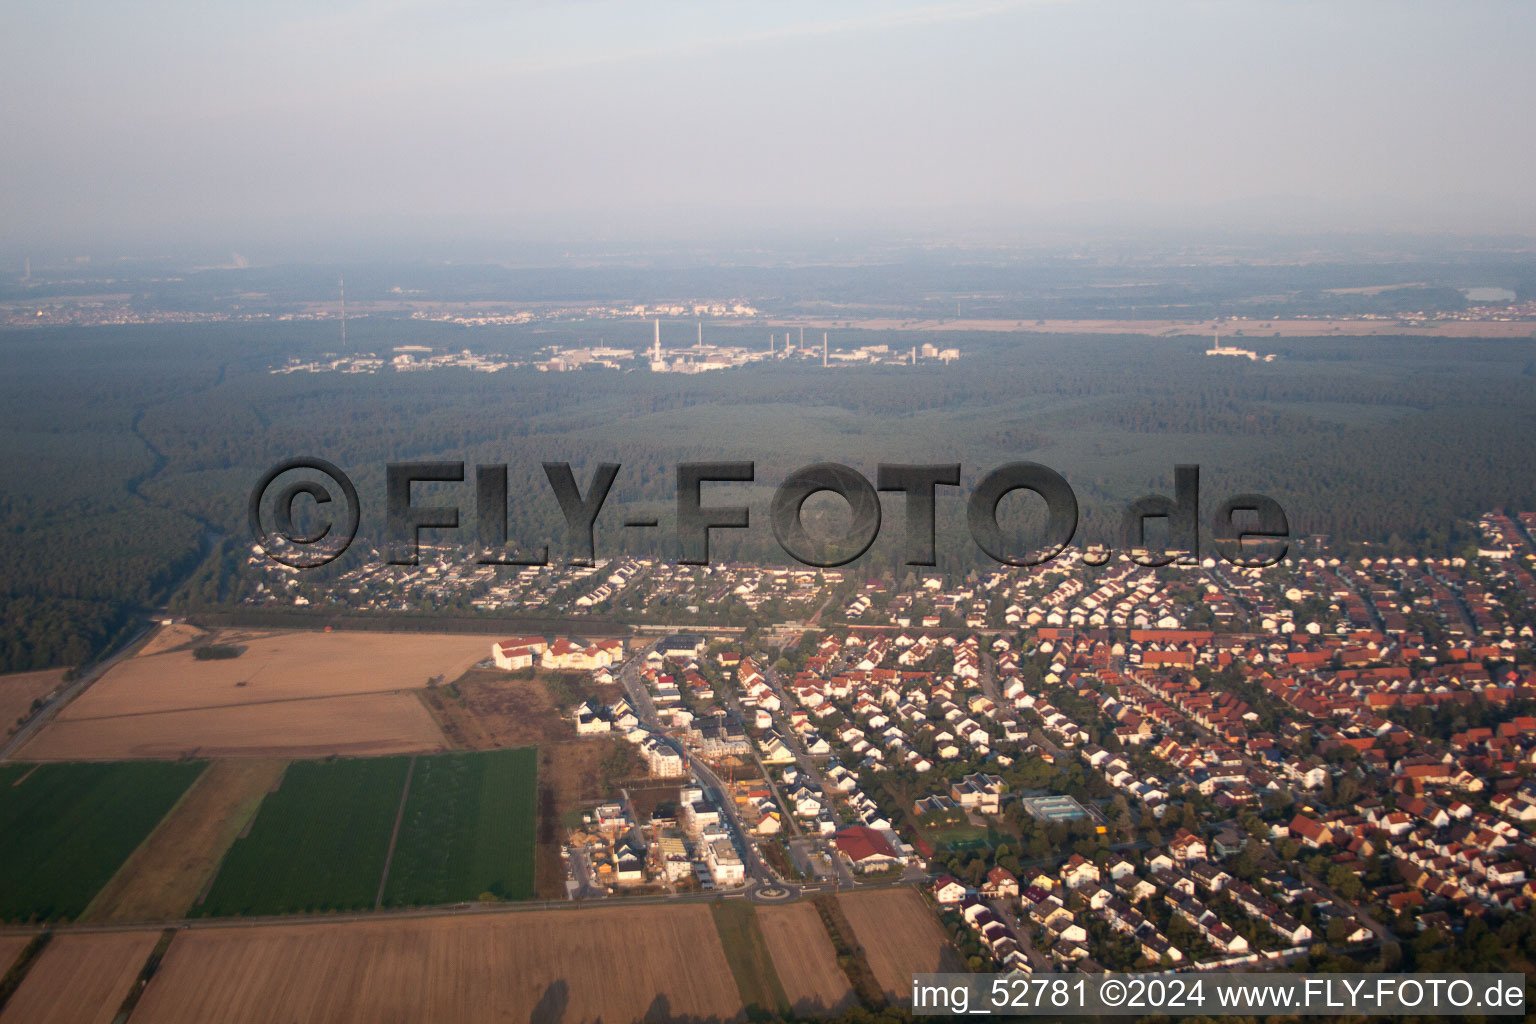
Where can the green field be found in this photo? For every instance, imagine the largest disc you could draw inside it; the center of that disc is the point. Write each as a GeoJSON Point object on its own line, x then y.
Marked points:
{"type": "Point", "coordinates": [468, 830]}
{"type": "Point", "coordinates": [318, 843]}
{"type": "Point", "coordinates": [66, 828]}
{"type": "Point", "coordinates": [762, 993]}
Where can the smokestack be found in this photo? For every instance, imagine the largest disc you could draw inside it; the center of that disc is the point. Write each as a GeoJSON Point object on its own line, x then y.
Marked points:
{"type": "Point", "coordinates": [343, 282]}
{"type": "Point", "coordinates": [701, 334]}
{"type": "Point", "coordinates": [770, 343]}
{"type": "Point", "coordinates": [802, 337]}
{"type": "Point", "coordinates": [823, 348]}
{"type": "Point", "coordinates": [656, 344]}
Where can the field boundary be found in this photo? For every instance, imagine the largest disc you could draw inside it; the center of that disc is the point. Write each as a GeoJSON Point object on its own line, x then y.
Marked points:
{"type": "Point", "coordinates": [851, 956]}
{"type": "Point", "coordinates": [147, 972]}
{"type": "Point", "coordinates": [396, 623]}
{"type": "Point", "coordinates": [746, 950]}
{"type": "Point", "coordinates": [16, 973]}
{"type": "Point", "coordinates": [394, 835]}
{"type": "Point", "coordinates": [129, 863]}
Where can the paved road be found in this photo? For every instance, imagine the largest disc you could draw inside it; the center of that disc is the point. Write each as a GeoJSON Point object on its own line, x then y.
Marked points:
{"type": "Point", "coordinates": [807, 764]}
{"type": "Point", "coordinates": [1004, 914]}
{"type": "Point", "coordinates": [752, 862]}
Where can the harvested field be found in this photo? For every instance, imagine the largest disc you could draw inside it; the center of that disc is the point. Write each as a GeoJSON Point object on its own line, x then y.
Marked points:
{"type": "Point", "coordinates": [746, 951]}
{"type": "Point", "coordinates": [900, 936]}
{"type": "Point", "coordinates": [166, 873]}
{"type": "Point", "coordinates": [617, 964]}
{"type": "Point", "coordinates": [168, 638]}
{"type": "Point", "coordinates": [806, 962]}
{"type": "Point", "coordinates": [277, 667]}
{"type": "Point", "coordinates": [360, 725]}
{"type": "Point", "coordinates": [10, 948]}
{"type": "Point", "coordinates": [80, 979]}
{"type": "Point", "coordinates": [19, 689]}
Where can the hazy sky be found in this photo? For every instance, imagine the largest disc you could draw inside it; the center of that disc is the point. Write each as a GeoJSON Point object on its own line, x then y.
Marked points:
{"type": "Point", "coordinates": [235, 125]}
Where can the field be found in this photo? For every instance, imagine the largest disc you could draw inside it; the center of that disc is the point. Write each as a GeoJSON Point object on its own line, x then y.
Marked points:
{"type": "Point", "coordinates": [363, 725]}
{"type": "Point", "coordinates": [10, 948]}
{"type": "Point", "coordinates": [747, 952]}
{"type": "Point", "coordinates": [19, 689]}
{"type": "Point", "coordinates": [318, 843]}
{"type": "Point", "coordinates": [900, 936]}
{"type": "Point", "coordinates": [66, 828]}
{"type": "Point", "coordinates": [167, 638]}
{"type": "Point", "coordinates": [277, 666]}
{"type": "Point", "coordinates": [491, 710]}
{"type": "Point", "coordinates": [170, 869]}
{"type": "Point", "coordinates": [618, 964]}
{"type": "Point", "coordinates": [468, 829]}
{"type": "Point", "coordinates": [80, 979]}
{"type": "Point", "coordinates": [288, 694]}
{"type": "Point", "coordinates": [487, 709]}
{"type": "Point", "coordinates": [806, 962]}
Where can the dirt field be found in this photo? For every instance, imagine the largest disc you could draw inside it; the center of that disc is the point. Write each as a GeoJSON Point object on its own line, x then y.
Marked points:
{"type": "Point", "coordinates": [10, 948]}
{"type": "Point", "coordinates": [168, 871]}
{"type": "Point", "coordinates": [19, 689]}
{"type": "Point", "coordinates": [1253, 330]}
{"type": "Point", "coordinates": [901, 937]}
{"type": "Point", "coordinates": [493, 710]}
{"type": "Point", "coordinates": [361, 725]}
{"type": "Point", "coordinates": [805, 960]}
{"type": "Point", "coordinates": [278, 666]}
{"type": "Point", "coordinates": [80, 979]}
{"type": "Point", "coordinates": [615, 964]}
{"type": "Point", "coordinates": [168, 638]}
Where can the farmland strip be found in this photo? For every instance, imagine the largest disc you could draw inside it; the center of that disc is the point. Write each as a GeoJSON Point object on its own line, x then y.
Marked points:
{"type": "Point", "coordinates": [394, 836]}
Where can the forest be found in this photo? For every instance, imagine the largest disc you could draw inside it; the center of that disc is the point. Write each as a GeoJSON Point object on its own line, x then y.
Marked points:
{"type": "Point", "coordinates": [129, 451]}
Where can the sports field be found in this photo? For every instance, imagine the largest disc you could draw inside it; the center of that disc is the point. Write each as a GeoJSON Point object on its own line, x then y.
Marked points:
{"type": "Point", "coordinates": [467, 831]}
{"type": "Point", "coordinates": [318, 843]}
{"type": "Point", "coordinates": [66, 828]}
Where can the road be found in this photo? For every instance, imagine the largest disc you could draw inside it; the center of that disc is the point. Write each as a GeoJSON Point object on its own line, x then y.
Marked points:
{"type": "Point", "coordinates": [807, 764]}
{"type": "Point", "coordinates": [72, 690]}
{"type": "Point", "coordinates": [756, 869]}
{"type": "Point", "coordinates": [1036, 958]}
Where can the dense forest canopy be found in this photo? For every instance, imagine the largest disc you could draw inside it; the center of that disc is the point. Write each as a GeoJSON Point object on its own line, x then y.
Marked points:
{"type": "Point", "coordinates": [128, 451]}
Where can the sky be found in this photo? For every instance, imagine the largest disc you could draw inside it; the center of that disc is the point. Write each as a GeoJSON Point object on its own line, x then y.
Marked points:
{"type": "Point", "coordinates": [163, 123]}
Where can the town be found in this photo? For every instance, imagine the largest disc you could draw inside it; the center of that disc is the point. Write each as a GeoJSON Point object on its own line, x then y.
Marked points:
{"type": "Point", "coordinates": [696, 358]}
{"type": "Point", "coordinates": [1084, 768]}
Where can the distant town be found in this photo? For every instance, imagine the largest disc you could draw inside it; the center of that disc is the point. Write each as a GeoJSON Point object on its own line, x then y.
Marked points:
{"type": "Point", "coordinates": [699, 357]}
